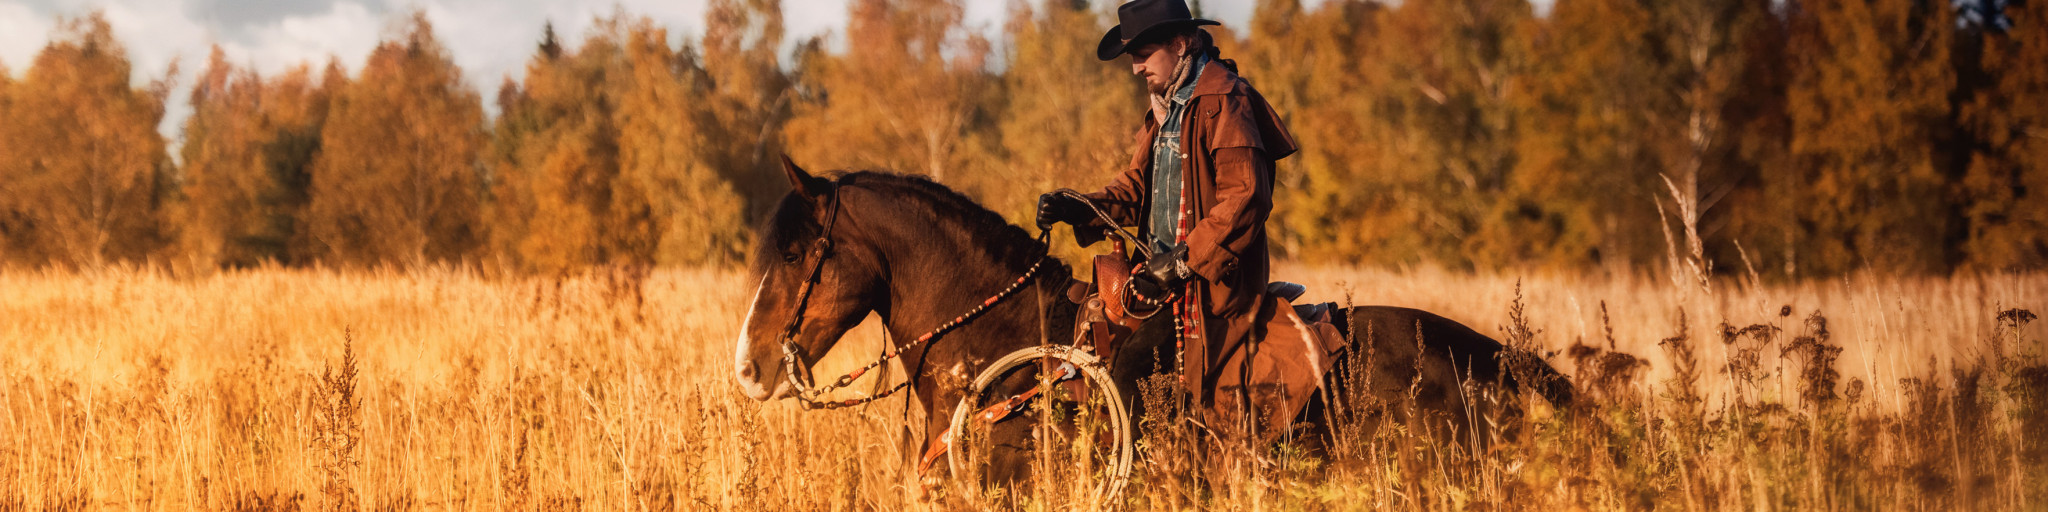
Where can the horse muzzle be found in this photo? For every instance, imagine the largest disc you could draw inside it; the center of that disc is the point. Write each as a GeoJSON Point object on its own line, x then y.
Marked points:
{"type": "Point", "coordinates": [762, 383]}
{"type": "Point", "coordinates": [760, 380]}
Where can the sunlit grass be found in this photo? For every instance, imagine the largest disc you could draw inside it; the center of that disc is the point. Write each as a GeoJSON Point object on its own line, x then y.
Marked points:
{"type": "Point", "coordinates": [129, 389]}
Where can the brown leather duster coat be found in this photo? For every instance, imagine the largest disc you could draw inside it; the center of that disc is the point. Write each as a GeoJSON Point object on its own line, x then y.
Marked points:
{"type": "Point", "coordinates": [1232, 138]}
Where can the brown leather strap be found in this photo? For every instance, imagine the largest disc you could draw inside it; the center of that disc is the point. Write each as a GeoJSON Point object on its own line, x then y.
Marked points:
{"type": "Point", "coordinates": [1103, 344]}
{"type": "Point", "coordinates": [1195, 347]}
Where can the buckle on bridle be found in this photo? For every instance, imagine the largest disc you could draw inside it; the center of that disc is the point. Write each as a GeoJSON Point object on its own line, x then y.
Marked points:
{"type": "Point", "coordinates": [792, 359]}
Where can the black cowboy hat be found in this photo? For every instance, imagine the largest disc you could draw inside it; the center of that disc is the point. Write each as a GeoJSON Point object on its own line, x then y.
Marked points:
{"type": "Point", "coordinates": [1141, 19]}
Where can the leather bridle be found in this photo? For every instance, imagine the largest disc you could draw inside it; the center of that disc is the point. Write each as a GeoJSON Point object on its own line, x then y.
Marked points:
{"type": "Point", "coordinates": [821, 248]}
{"type": "Point", "coordinates": [811, 397]}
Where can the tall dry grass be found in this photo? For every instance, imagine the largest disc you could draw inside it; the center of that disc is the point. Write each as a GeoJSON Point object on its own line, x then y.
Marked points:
{"type": "Point", "coordinates": [439, 390]}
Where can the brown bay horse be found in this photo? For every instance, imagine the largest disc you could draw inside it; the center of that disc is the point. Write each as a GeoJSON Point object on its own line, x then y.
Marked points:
{"type": "Point", "coordinates": [918, 255]}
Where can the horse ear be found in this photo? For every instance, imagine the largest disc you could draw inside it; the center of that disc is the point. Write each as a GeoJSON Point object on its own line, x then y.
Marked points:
{"type": "Point", "coordinates": [806, 185]}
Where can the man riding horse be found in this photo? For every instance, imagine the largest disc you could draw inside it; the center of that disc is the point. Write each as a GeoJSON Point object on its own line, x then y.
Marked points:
{"type": "Point", "coordinates": [1199, 186]}
{"type": "Point", "coordinates": [978, 313]}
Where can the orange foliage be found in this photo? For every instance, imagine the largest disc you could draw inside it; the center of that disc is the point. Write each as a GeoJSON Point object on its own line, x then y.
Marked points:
{"type": "Point", "coordinates": [248, 146]}
{"type": "Point", "coordinates": [396, 181]}
{"type": "Point", "coordinates": [2008, 179]}
{"type": "Point", "coordinates": [1781, 140]}
{"type": "Point", "coordinates": [905, 96]}
{"type": "Point", "coordinates": [1867, 99]}
{"type": "Point", "coordinates": [1066, 120]}
{"type": "Point", "coordinates": [83, 162]}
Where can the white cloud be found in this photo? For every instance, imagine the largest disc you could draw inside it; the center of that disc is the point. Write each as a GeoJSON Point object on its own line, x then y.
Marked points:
{"type": "Point", "coordinates": [490, 39]}
{"type": "Point", "coordinates": [348, 31]}
{"type": "Point", "coordinates": [157, 33]}
{"type": "Point", "coordinates": [25, 28]}
{"type": "Point", "coordinates": [22, 33]}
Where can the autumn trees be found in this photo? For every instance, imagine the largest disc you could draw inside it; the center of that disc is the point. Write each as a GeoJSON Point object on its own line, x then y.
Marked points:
{"type": "Point", "coordinates": [908, 94]}
{"type": "Point", "coordinates": [2006, 183]}
{"type": "Point", "coordinates": [1867, 100]}
{"type": "Point", "coordinates": [248, 152]}
{"type": "Point", "coordinates": [1797, 138]}
{"type": "Point", "coordinates": [1066, 119]}
{"type": "Point", "coordinates": [1802, 138]}
{"type": "Point", "coordinates": [396, 180]}
{"type": "Point", "coordinates": [82, 168]}
{"type": "Point", "coordinates": [626, 151]}
{"type": "Point", "coordinates": [556, 155]}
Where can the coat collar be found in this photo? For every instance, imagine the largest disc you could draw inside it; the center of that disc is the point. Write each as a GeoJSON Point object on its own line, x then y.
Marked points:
{"type": "Point", "coordinates": [1216, 79]}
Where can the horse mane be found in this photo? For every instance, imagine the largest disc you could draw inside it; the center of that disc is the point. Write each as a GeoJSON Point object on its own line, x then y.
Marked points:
{"type": "Point", "coordinates": [984, 229]}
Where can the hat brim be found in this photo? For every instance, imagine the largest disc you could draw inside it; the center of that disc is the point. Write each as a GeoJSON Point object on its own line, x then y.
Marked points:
{"type": "Point", "coordinates": [1113, 43]}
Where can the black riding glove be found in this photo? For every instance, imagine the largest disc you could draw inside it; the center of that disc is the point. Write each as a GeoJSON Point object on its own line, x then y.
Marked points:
{"type": "Point", "coordinates": [1054, 208]}
{"type": "Point", "coordinates": [1164, 274]}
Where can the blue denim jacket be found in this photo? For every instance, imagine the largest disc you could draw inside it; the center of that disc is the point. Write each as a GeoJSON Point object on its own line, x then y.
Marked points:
{"type": "Point", "coordinates": [1166, 164]}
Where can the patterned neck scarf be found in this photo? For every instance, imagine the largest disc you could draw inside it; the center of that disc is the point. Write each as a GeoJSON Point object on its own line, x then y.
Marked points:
{"type": "Point", "coordinates": [1162, 102]}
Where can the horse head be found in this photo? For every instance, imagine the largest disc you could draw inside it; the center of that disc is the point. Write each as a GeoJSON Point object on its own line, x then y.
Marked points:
{"type": "Point", "coordinates": [814, 273]}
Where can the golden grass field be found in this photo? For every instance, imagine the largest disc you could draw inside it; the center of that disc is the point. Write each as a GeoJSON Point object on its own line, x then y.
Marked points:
{"type": "Point", "coordinates": [134, 390]}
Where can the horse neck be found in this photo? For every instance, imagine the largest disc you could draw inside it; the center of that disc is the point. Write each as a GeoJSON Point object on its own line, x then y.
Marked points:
{"type": "Point", "coordinates": [933, 281]}
{"type": "Point", "coordinates": [932, 288]}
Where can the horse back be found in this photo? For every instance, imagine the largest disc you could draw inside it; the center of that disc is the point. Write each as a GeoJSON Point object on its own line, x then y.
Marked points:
{"type": "Point", "coordinates": [1416, 361]}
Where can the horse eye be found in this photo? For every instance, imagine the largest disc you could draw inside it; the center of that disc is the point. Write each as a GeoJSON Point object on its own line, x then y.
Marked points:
{"type": "Point", "coordinates": [791, 258]}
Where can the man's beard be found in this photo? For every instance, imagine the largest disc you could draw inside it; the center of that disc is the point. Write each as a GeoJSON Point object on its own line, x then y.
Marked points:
{"type": "Point", "coordinates": [1159, 96]}
{"type": "Point", "coordinates": [1188, 50]}
{"type": "Point", "coordinates": [1157, 88]}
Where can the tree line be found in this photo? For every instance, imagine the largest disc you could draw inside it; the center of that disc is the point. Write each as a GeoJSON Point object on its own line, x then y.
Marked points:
{"type": "Point", "coordinates": [1789, 139]}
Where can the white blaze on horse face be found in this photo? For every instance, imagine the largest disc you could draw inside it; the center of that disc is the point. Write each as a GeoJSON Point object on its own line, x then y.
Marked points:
{"type": "Point", "coordinates": [742, 358]}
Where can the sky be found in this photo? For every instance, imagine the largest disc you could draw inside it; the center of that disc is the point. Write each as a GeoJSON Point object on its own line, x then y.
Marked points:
{"type": "Point", "coordinates": [489, 39]}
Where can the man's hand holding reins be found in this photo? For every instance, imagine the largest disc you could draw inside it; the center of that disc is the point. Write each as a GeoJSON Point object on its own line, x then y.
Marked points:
{"type": "Point", "coordinates": [1054, 208]}
{"type": "Point", "coordinates": [1164, 274]}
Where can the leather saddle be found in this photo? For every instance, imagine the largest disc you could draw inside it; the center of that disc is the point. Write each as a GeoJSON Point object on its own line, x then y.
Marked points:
{"type": "Point", "coordinates": [1292, 354]}
{"type": "Point", "coordinates": [1113, 273]}
{"type": "Point", "coordinates": [1103, 323]}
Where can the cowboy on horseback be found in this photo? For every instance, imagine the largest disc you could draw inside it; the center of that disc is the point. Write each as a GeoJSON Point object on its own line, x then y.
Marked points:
{"type": "Point", "coordinates": [1199, 186]}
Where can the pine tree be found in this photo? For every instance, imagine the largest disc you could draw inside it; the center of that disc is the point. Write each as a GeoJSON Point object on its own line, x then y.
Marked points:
{"type": "Point", "coordinates": [611, 153]}
{"type": "Point", "coordinates": [563, 153]}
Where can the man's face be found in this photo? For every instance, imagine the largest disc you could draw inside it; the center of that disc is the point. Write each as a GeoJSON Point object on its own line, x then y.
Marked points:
{"type": "Point", "coordinates": [1154, 62]}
